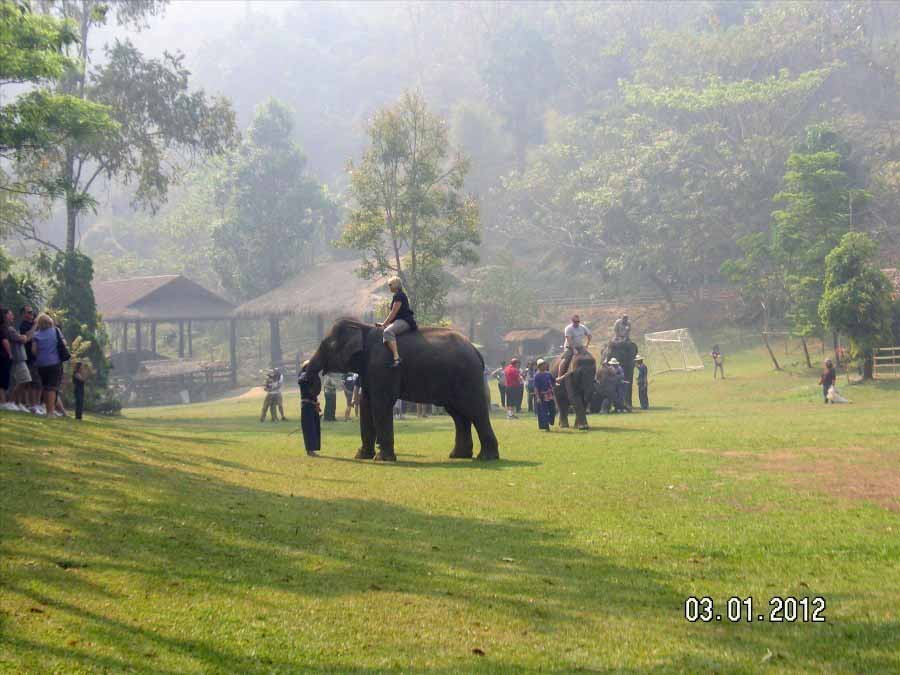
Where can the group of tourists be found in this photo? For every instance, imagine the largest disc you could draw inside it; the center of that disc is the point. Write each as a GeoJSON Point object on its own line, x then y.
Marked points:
{"type": "Point", "coordinates": [32, 354]}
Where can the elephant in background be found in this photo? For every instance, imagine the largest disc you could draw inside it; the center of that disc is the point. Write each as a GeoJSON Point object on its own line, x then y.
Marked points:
{"type": "Point", "coordinates": [624, 352]}
{"type": "Point", "coordinates": [439, 366]}
{"type": "Point", "coordinates": [576, 387]}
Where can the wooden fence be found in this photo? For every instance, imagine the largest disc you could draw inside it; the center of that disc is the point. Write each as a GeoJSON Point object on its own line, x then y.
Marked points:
{"type": "Point", "coordinates": [886, 363]}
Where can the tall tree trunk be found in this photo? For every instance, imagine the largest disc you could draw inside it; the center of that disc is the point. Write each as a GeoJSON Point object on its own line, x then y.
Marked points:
{"type": "Point", "coordinates": [771, 353]}
{"type": "Point", "coordinates": [869, 367]}
{"type": "Point", "coordinates": [805, 351]}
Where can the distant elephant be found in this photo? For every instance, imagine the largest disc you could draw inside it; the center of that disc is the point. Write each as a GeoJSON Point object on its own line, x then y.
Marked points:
{"type": "Point", "coordinates": [576, 388]}
{"type": "Point", "coordinates": [439, 366]}
{"type": "Point", "coordinates": [624, 352]}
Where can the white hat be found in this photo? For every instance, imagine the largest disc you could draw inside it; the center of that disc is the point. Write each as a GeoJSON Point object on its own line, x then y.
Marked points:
{"type": "Point", "coordinates": [613, 361]}
{"type": "Point", "coordinates": [540, 362]}
{"type": "Point", "coordinates": [638, 358]}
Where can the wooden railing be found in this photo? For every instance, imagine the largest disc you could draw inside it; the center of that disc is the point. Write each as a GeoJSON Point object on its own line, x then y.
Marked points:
{"type": "Point", "coordinates": [886, 363]}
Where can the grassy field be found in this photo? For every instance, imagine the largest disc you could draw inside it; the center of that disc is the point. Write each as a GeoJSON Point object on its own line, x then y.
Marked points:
{"type": "Point", "coordinates": [197, 539]}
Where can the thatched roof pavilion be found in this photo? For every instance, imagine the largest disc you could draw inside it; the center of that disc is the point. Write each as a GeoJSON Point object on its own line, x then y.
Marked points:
{"type": "Point", "coordinates": [169, 298]}
{"type": "Point", "coordinates": [329, 289]}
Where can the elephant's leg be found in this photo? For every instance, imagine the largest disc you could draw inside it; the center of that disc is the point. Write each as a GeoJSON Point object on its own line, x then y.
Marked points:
{"type": "Point", "coordinates": [462, 448]}
{"type": "Point", "coordinates": [490, 449]}
{"type": "Point", "coordinates": [562, 404]}
{"type": "Point", "coordinates": [366, 428]}
{"type": "Point", "coordinates": [383, 415]}
{"type": "Point", "coordinates": [580, 414]}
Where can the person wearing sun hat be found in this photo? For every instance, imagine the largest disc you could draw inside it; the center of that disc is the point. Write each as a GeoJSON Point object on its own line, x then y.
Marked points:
{"type": "Point", "coordinates": [513, 379]}
{"type": "Point", "coordinates": [642, 381]}
{"type": "Point", "coordinates": [619, 384]}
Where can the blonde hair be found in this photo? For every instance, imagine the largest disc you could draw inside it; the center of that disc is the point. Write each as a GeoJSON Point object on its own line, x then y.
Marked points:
{"type": "Point", "coordinates": [44, 321]}
{"type": "Point", "coordinates": [396, 281]}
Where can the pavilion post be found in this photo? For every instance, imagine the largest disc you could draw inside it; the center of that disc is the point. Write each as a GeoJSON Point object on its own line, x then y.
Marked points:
{"type": "Point", "coordinates": [190, 340]}
{"type": "Point", "coordinates": [180, 339]}
{"type": "Point", "coordinates": [232, 350]}
{"type": "Point", "coordinates": [124, 336]}
{"type": "Point", "coordinates": [137, 340]}
{"type": "Point", "coordinates": [153, 336]}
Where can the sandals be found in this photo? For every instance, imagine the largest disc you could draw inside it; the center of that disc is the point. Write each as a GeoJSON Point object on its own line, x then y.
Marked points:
{"type": "Point", "coordinates": [396, 363]}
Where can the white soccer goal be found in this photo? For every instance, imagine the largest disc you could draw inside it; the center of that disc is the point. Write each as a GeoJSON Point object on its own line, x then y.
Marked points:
{"type": "Point", "coordinates": [671, 350]}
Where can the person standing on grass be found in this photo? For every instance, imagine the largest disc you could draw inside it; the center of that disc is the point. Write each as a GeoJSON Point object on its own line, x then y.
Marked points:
{"type": "Point", "coordinates": [351, 389]}
{"type": "Point", "coordinates": [310, 423]}
{"type": "Point", "coordinates": [5, 360]}
{"type": "Point", "coordinates": [642, 382]}
{"type": "Point", "coordinates": [79, 376]}
{"type": "Point", "coordinates": [530, 372]}
{"type": "Point", "coordinates": [25, 325]}
{"type": "Point", "coordinates": [543, 394]}
{"type": "Point", "coordinates": [513, 380]}
{"type": "Point", "coordinates": [719, 362]}
{"type": "Point", "coordinates": [330, 386]}
{"type": "Point", "coordinates": [45, 346]}
{"type": "Point", "coordinates": [21, 378]}
{"type": "Point", "coordinates": [501, 382]}
{"type": "Point", "coordinates": [829, 377]}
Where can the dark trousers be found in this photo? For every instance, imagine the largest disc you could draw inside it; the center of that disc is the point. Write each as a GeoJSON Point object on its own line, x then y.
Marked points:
{"type": "Point", "coordinates": [79, 402]}
{"type": "Point", "coordinates": [330, 405]}
{"type": "Point", "coordinates": [825, 388]}
{"type": "Point", "coordinates": [645, 399]}
{"type": "Point", "coordinates": [546, 414]}
{"type": "Point", "coordinates": [502, 388]}
{"type": "Point", "coordinates": [514, 397]}
{"type": "Point", "coordinates": [530, 399]}
{"type": "Point", "coordinates": [311, 427]}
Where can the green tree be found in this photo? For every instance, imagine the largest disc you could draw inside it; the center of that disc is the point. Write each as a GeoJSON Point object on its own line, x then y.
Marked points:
{"type": "Point", "coordinates": [161, 121]}
{"type": "Point", "coordinates": [275, 217]}
{"type": "Point", "coordinates": [32, 53]}
{"type": "Point", "coordinates": [409, 217]}
{"type": "Point", "coordinates": [857, 299]}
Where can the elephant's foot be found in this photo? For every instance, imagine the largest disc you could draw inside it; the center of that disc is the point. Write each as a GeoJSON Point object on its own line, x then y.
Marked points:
{"type": "Point", "coordinates": [488, 455]}
{"type": "Point", "coordinates": [382, 456]}
{"type": "Point", "coordinates": [364, 453]}
{"type": "Point", "coordinates": [563, 424]}
{"type": "Point", "coordinates": [582, 427]}
{"type": "Point", "coordinates": [461, 453]}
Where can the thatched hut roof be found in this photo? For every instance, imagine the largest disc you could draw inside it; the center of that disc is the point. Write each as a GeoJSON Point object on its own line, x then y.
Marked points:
{"type": "Point", "coordinates": [532, 334]}
{"type": "Point", "coordinates": [169, 297]}
{"type": "Point", "coordinates": [331, 288]}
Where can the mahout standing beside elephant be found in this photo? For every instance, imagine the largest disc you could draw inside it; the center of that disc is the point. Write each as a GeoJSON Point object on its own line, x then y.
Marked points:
{"type": "Point", "coordinates": [624, 352]}
{"type": "Point", "coordinates": [454, 380]}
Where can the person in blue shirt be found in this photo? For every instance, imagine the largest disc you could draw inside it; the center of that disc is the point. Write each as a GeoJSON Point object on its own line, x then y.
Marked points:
{"type": "Point", "coordinates": [543, 394]}
{"type": "Point", "coordinates": [642, 381]}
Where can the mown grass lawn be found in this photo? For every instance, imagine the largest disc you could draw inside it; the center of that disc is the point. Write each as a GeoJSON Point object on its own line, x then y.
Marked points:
{"type": "Point", "coordinates": [197, 539]}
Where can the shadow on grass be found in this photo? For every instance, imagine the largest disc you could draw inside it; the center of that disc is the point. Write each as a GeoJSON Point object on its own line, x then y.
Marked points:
{"type": "Point", "coordinates": [210, 541]}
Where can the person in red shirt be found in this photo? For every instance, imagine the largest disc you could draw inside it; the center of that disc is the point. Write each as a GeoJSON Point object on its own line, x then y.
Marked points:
{"type": "Point", "coordinates": [514, 388]}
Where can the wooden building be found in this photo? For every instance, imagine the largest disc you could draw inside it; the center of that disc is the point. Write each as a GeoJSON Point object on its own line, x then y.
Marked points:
{"type": "Point", "coordinates": [323, 293]}
{"type": "Point", "coordinates": [139, 305]}
{"type": "Point", "coordinates": [534, 341]}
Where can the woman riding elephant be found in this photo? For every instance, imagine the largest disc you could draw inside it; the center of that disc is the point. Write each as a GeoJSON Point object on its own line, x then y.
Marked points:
{"type": "Point", "coordinates": [575, 387]}
{"type": "Point", "coordinates": [438, 366]}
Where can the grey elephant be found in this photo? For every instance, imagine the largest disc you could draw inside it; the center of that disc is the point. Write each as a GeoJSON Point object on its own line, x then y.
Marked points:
{"type": "Point", "coordinates": [440, 366]}
{"type": "Point", "coordinates": [576, 387]}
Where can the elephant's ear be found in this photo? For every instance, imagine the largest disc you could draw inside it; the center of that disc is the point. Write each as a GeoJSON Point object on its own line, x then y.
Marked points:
{"type": "Point", "coordinates": [351, 344]}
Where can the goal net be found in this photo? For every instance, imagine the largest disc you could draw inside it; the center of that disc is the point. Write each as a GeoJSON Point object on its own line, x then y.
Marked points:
{"type": "Point", "coordinates": [671, 350]}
